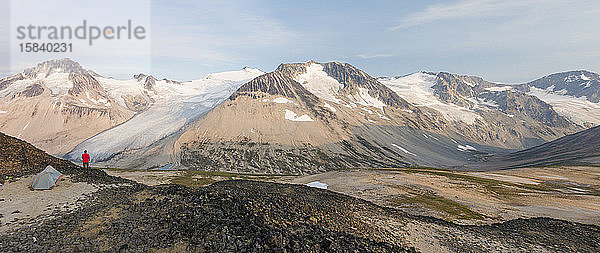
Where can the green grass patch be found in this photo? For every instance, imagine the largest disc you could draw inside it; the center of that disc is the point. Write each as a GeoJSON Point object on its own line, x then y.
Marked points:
{"type": "Point", "coordinates": [499, 187]}
{"type": "Point", "coordinates": [451, 209]}
{"type": "Point", "coordinates": [236, 174]}
{"type": "Point", "coordinates": [198, 178]}
{"type": "Point", "coordinates": [124, 170]}
{"type": "Point", "coordinates": [188, 179]}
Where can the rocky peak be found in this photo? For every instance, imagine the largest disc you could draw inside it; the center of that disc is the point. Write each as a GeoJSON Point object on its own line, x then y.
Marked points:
{"type": "Point", "coordinates": [281, 82]}
{"type": "Point", "coordinates": [64, 65]}
{"type": "Point", "coordinates": [569, 78]}
{"type": "Point", "coordinates": [453, 88]}
{"type": "Point", "coordinates": [171, 81]}
{"type": "Point", "coordinates": [457, 89]}
{"type": "Point", "coordinates": [276, 83]}
{"type": "Point", "coordinates": [148, 81]}
{"type": "Point", "coordinates": [353, 78]}
{"type": "Point", "coordinates": [519, 103]}
{"type": "Point", "coordinates": [292, 69]}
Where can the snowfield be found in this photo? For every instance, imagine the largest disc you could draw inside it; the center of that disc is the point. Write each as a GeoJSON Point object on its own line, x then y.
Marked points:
{"type": "Point", "coordinates": [416, 89]}
{"type": "Point", "coordinates": [174, 106]}
{"type": "Point", "coordinates": [116, 89]}
{"type": "Point", "coordinates": [364, 98]}
{"type": "Point", "coordinates": [578, 110]}
{"type": "Point", "coordinates": [58, 83]}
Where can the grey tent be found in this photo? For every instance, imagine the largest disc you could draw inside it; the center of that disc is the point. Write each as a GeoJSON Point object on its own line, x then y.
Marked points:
{"type": "Point", "coordinates": [46, 179]}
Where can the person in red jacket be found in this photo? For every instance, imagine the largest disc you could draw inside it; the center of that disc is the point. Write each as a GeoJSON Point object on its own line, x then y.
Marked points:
{"type": "Point", "coordinates": [86, 159]}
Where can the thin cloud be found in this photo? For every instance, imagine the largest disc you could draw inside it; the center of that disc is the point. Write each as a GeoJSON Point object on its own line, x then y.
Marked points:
{"type": "Point", "coordinates": [469, 9]}
{"type": "Point", "coordinates": [372, 56]}
{"type": "Point", "coordinates": [217, 31]}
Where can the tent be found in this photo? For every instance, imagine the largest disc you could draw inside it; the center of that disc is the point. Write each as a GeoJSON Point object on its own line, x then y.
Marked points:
{"type": "Point", "coordinates": [46, 179]}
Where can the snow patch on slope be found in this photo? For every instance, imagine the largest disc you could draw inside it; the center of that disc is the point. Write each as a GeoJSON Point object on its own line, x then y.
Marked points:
{"type": "Point", "coordinates": [319, 83]}
{"type": "Point", "coordinates": [58, 83]}
{"type": "Point", "coordinates": [585, 78]}
{"type": "Point", "coordinates": [403, 149]}
{"type": "Point", "coordinates": [479, 103]}
{"type": "Point", "coordinates": [416, 89]}
{"type": "Point", "coordinates": [236, 76]}
{"type": "Point", "coordinates": [470, 83]}
{"type": "Point", "coordinates": [364, 98]}
{"type": "Point", "coordinates": [290, 115]}
{"type": "Point", "coordinates": [282, 100]}
{"type": "Point", "coordinates": [465, 148]}
{"type": "Point", "coordinates": [117, 89]}
{"type": "Point", "coordinates": [499, 89]}
{"type": "Point", "coordinates": [328, 106]}
{"type": "Point", "coordinates": [317, 184]}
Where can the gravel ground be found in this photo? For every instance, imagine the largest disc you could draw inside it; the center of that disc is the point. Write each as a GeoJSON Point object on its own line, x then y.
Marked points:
{"type": "Point", "coordinates": [20, 205]}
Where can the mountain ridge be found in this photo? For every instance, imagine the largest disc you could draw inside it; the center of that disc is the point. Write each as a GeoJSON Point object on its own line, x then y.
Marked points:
{"type": "Point", "coordinates": [581, 148]}
{"type": "Point", "coordinates": [331, 107]}
{"type": "Point", "coordinates": [251, 119]}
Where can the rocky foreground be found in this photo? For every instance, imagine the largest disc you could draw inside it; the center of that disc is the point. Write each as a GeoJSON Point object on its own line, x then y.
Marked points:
{"type": "Point", "coordinates": [251, 216]}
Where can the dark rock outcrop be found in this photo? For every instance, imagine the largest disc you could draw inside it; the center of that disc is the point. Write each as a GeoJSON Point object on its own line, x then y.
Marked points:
{"type": "Point", "coordinates": [149, 81]}
{"type": "Point", "coordinates": [31, 91]}
{"type": "Point", "coordinates": [19, 158]}
{"type": "Point", "coordinates": [353, 78]}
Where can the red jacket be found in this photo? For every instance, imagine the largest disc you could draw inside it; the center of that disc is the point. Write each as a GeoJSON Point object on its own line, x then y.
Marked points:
{"type": "Point", "coordinates": [85, 157]}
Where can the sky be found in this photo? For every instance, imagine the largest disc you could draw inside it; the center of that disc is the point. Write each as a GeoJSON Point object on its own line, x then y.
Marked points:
{"type": "Point", "coordinates": [507, 41]}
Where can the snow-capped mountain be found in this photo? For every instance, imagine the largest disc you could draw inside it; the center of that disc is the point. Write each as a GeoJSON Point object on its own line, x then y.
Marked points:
{"type": "Point", "coordinates": [482, 111]}
{"type": "Point", "coordinates": [56, 105]}
{"type": "Point", "coordinates": [573, 94]}
{"type": "Point", "coordinates": [579, 83]}
{"type": "Point", "coordinates": [569, 96]}
{"type": "Point", "coordinates": [310, 117]}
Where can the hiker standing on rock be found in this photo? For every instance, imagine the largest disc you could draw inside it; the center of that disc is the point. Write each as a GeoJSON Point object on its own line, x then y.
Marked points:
{"type": "Point", "coordinates": [86, 159]}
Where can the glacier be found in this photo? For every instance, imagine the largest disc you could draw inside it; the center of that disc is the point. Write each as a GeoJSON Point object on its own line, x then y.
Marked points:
{"type": "Point", "coordinates": [174, 106]}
